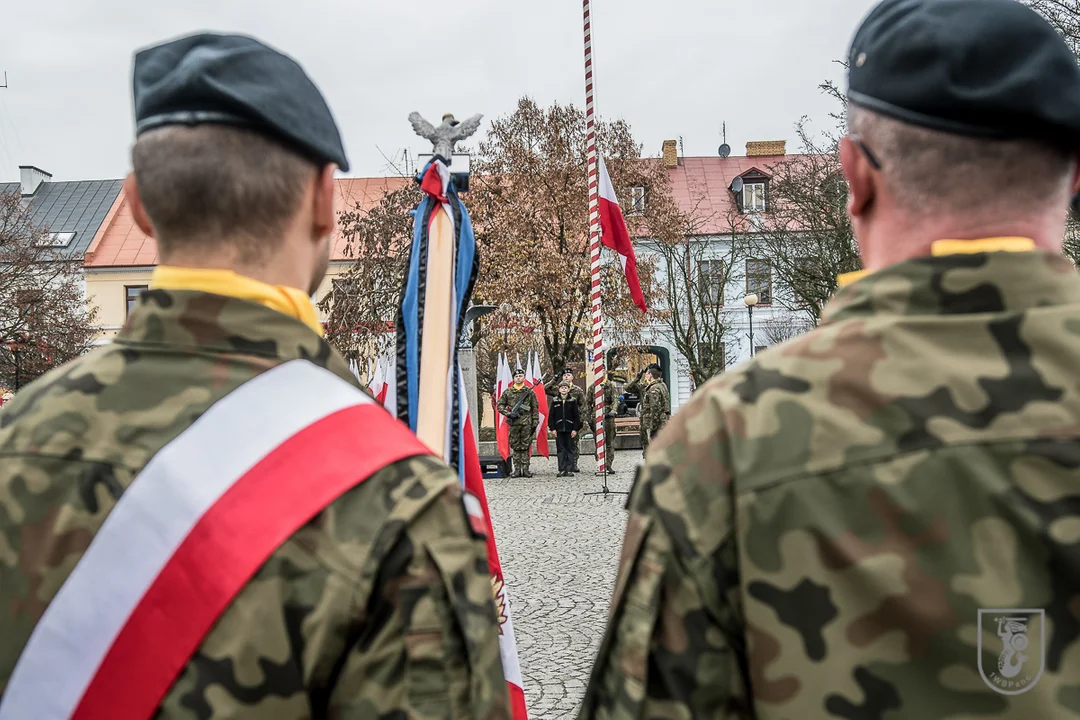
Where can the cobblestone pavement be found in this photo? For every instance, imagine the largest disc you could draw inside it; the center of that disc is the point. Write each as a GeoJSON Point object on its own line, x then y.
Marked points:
{"type": "Point", "coordinates": [559, 549]}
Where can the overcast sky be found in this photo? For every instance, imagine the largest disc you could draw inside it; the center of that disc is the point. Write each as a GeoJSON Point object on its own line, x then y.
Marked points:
{"type": "Point", "coordinates": [670, 68]}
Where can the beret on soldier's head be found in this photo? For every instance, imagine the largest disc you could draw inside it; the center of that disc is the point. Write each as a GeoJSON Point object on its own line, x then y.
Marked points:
{"type": "Point", "coordinates": [980, 68]}
{"type": "Point", "coordinates": [654, 369]}
{"type": "Point", "coordinates": [234, 80]}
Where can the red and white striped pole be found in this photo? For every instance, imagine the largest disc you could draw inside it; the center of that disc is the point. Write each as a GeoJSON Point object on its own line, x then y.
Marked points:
{"type": "Point", "coordinates": [594, 245]}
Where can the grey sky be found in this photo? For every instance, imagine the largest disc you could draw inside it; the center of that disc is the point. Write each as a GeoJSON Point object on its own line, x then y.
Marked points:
{"type": "Point", "coordinates": [668, 67]}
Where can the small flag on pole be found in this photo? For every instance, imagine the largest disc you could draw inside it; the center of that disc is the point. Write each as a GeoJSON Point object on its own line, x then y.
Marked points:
{"type": "Point", "coordinates": [537, 383]}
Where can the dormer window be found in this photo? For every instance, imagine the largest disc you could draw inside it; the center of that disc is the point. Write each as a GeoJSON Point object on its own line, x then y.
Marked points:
{"type": "Point", "coordinates": [637, 199]}
{"type": "Point", "coordinates": [753, 197]}
{"type": "Point", "coordinates": [751, 191]}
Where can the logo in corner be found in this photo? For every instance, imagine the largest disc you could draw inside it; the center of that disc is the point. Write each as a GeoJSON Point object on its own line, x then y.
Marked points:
{"type": "Point", "coordinates": [1013, 663]}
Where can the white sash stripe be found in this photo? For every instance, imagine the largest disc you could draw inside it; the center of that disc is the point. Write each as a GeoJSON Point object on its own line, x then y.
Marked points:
{"type": "Point", "coordinates": [152, 518]}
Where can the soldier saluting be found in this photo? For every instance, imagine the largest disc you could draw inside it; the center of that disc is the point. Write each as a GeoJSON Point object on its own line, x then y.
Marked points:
{"type": "Point", "coordinates": [519, 405]}
{"type": "Point", "coordinates": [207, 517]}
{"type": "Point", "coordinates": [821, 531]}
{"type": "Point", "coordinates": [655, 402]}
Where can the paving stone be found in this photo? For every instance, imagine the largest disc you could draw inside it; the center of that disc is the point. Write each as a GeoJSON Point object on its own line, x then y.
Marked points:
{"type": "Point", "coordinates": [560, 551]}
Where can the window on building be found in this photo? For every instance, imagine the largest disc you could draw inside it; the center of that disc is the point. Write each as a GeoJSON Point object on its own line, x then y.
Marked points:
{"type": "Point", "coordinates": [637, 199]}
{"type": "Point", "coordinates": [56, 239]}
{"type": "Point", "coordinates": [711, 282]}
{"type": "Point", "coordinates": [132, 293]}
{"type": "Point", "coordinates": [753, 199]}
{"type": "Point", "coordinates": [759, 280]}
{"type": "Point", "coordinates": [803, 280]}
{"type": "Point", "coordinates": [713, 355]}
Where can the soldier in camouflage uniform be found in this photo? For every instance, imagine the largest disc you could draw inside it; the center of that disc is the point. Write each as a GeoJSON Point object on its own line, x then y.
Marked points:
{"type": "Point", "coordinates": [520, 400]}
{"type": "Point", "coordinates": [381, 605]}
{"type": "Point", "coordinates": [611, 411]}
{"type": "Point", "coordinates": [654, 403]}
{"type": "Point", "coordinates": [881, 518]}
{"type": "Point", "coordinates": [578, 396]}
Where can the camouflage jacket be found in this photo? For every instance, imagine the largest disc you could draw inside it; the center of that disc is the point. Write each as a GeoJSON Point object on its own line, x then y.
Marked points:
{"type": "Point", "coordinates": [576, 394]}
{"type": "Point", "coordinates": [529, 412]}
{"type": "Point", "coordinates": [819, 532]}
{"type": "Point", "coordinates": [611, 400]}
{"type": "Point", "coordinates": [655, 405]}
{"type": "Point", "coordinates": [379, 607]}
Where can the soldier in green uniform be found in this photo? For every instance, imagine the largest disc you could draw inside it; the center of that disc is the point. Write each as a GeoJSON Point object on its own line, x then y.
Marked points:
{"type": "Point", "coordinates": [879, 519]}
{"type": "Point", "coordinates": [519, 404]}
{"type": "Point", "coordinates": [655, 402]}
{"type": "Point", "coordinates": [578, 396]}
{"type": "Point", "coordinates": [381, 605]}
{"type": "Point", "coordinates": [611, 411]}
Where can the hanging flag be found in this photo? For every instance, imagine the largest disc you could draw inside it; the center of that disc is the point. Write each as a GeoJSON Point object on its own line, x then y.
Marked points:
{"type": "Point", "coordinates": [614, 235]}
{"type": "Point", "coordinates": [502, 427]}
{"type": "Point", "coordinates": [537, 382]}
{"type": "Point", "coordinates": [388, 397]}
{"type": "Point", "coordinates": [354, 367]}
{"type": "Point", "coordinates": [442, 207]}
{"type": "Point", "coordinates": [377, 382]}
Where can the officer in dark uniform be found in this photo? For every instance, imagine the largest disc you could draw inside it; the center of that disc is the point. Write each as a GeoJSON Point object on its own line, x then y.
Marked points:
{"type": "Point", "coordinates": [879, 519]}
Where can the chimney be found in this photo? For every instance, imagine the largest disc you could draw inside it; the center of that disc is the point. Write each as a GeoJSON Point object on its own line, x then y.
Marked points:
{"type": "Point", "coordinates": [763, 148]}
{"type": "Point", "coordinates": [671, 153]}
{"type": "Point", "coordinates": [31, 178]}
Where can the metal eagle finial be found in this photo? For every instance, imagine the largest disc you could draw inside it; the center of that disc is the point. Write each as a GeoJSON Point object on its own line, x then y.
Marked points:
{"type": "Point", "coordinates": [444, 137]}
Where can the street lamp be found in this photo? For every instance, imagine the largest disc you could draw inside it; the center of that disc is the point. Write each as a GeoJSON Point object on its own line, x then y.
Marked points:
{"type": "Point", "coordinates": [751, 300]}
{"type": "Point", "coordinates": [15, 347]}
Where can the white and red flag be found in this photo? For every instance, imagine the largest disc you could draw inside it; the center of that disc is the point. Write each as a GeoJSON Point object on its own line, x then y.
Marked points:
{"type": "Point", "coordinates": [614, 235]}
{"type": "Point", "coordinates": [504, 379]}
{"type": "Point", "coordinates": [536, 381]}
{"type": "Point", "coordinates": [143, 596]}
{"type": "Point", "coordinates": [378, 383]}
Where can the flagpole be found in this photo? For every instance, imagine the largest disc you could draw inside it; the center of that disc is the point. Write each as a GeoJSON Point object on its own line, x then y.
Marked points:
{"type": "Point", "coordinates": [594, 249]}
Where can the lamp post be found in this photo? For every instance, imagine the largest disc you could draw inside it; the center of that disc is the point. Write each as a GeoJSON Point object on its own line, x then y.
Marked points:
{"type": "Point", "coordinates": [751, 300]}
{"type": "Point", "coordinates": [15, 346]}
{"type": "Point", "coordinates": [467, 361]}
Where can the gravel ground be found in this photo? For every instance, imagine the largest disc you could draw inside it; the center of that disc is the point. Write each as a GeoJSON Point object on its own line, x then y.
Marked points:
{"type": "Point", "coordinates": [559, 549]}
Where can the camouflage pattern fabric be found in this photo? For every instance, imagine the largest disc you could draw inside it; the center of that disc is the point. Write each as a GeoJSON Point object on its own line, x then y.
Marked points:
{"type": "Point", "coordinates": [578, 395]}
{"type": "Point", "coordinates": [381, 606]}
{"type": "Point", "coordinates": [655, 408]}
{"type": "Point", "coordinates": [816, 534]}
{"type": "Point", "coordinates": [611, 411]}
{"type": "Point", "coordinates": [522, 430]}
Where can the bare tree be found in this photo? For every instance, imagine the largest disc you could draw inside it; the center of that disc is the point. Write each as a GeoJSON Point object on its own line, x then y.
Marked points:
{"type": "Point", "coordinates": [528, 200]}
{"type": "Point", "coordinates": [44, 317]}
{"type": "Point", "coordinates": [780, 329]}
{"type": "Point", "coordinates": [1063, 15]}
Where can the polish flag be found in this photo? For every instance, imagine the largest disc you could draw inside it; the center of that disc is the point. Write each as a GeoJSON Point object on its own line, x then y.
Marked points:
{"type": "Point", "coordinates": [536, 381]}
{"type": "Point", "coordinates": [502, 428]}
{"type": "Point", "coordinates": [378, 384]}
{"type": "Point", "coordinates": [614, 235]}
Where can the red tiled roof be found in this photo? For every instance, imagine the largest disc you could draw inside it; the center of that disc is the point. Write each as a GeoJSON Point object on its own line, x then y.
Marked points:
{"type": "Point", "coordinates": [120, 243]}
{"type": "Point", "coordinates": [701, 187]}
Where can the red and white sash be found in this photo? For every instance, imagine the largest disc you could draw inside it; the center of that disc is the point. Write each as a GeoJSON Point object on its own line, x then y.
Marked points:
{"type": "Point", "coordinates": [195, 525]}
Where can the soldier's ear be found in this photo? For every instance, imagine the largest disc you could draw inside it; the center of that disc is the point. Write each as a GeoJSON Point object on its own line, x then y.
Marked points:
{"type": "Point", "coordinates": [323, 217]}
{"type": "Point", "coordinates": [138, 212]}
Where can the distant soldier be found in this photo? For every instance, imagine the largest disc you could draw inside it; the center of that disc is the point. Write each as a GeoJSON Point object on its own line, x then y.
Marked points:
{"type": "Point", "coordinates": [879, 519]}
{"type": "Point", "coordinates": [611, 411]}
{"type": "Point", "coordinates": [207, 517]}
{"type": "Point", "coordinates": [654, 402]}
{"type": "Point", "coordinates": [519, 405]}
{"type": "Point", "coordinates": [577, 395]}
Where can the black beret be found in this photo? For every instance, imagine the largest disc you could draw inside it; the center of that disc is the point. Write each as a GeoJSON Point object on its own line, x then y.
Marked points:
{"type": "Point", "coordinates": [235, 80]}
{"type": "Point", "coordinates": [981, 68]}
{"type": "Point", "coordinates": [654, 369]}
